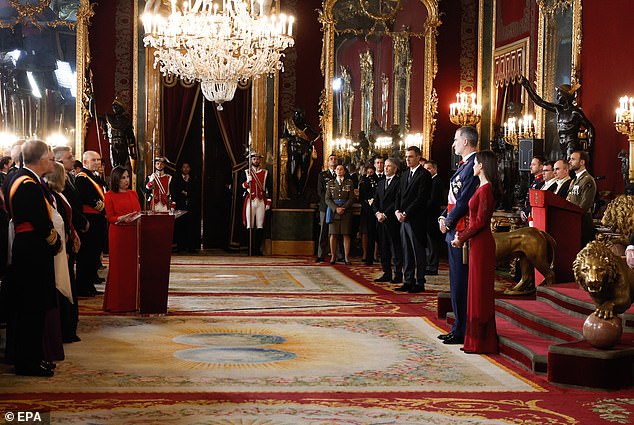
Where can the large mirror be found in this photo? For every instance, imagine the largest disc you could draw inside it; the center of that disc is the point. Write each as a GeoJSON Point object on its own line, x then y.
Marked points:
{"type": "Point", "coordinates": [558, 55]}
{"type": "Point", "coordinates": [43, 49]}
{"type": "Point", "coordinates": [379, 63]}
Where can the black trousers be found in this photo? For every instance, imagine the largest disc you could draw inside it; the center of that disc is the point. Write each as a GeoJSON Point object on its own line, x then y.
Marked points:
{"type": "Point", "coordinates": [391, 249]}
{"type": "Point", "coordinates": [88, 257]}
{"type": "Point", "coordinates": [414, 256]}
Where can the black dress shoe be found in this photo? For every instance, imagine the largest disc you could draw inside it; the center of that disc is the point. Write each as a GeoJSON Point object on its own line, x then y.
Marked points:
{"type": "Point", "coordinates": [397, 279]}
{"type": "Point", "coordinates": [384, 278]}
{"type": "Point", "coordinates": [319, 260]}
{"type": "Point", "coordinates": [72, 338]}
{"type": "Point", "coordinates": [416, 289]}
{"type": "Point", "coordinates": [404, 288]}
{"type": "Point", "coordinates": [431, 272]}
{"type": "Point", "coordinates": [445, 336]}
{"type": "Point", "coordinates": [48, 365]}
{"type": "Point", "coordinates": [34, 371]}
{"type": "Point", "coordinates": [454, 340]}
{"type": "Point", "coordinates": [347, 263]}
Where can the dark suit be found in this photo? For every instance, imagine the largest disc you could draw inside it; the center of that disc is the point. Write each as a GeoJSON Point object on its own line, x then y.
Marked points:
{"type": "Point", "coordinates": [323, 242]}
{"type": "Point", "coordinates": [389, 231]}
{"type": "Point", "coordinates": [367, 190]}
{"type": "Point", "coordinates": [563, 189]}
{"type": "Point", "coordinates": [411, 200]}
{"type": "Point", "coordinates": [434, 237]}
{"type": "Point", "coordinates": [92, 241]}
{"type": "Point", "coordinates": [185, 195]}
{"type": "Point", "coordinates": [462, 185]}
{"type": "Point", "coordinates": [31, 276]}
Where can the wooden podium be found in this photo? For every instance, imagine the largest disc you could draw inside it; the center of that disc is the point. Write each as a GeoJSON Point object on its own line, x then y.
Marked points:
{"type": "Point", "coordinates": [155, 232]}
{"type": "Point", "coordinates": [562, 220]}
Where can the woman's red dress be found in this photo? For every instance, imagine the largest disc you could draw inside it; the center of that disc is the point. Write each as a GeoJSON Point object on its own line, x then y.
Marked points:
{"type": "Point", "coordinates": [480, 335]}
{"type": "Point", "coordinates": [121, 285]}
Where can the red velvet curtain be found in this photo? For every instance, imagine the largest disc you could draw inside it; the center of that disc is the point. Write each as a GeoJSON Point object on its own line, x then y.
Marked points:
{"type": "Point", "coordinates": [506, 94]}
{"type": "Point", "coordinates": [179, 104]}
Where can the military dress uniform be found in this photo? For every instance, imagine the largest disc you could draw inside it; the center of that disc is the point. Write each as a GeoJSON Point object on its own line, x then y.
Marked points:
{"type": "Point", "coordinates": [322, 182]}
{"type": "Point", "coordinates": [462, 186]}
{"type": "Point", "coordinates": [256, 203]}
{"type": "Point", "coordinates": [31, 275]}
{"type": "Point", "coordinates": [582, 191]}
{"type": "Point", "coordinates": [91, 192]}
{"type": "Point", "coordinates": [339, 195]}
{"type": "Point", "coordinates": [157, 187]}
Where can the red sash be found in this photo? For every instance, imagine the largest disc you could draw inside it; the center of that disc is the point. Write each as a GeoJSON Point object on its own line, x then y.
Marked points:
{"type": "Point", "coordinates": [460, 224]}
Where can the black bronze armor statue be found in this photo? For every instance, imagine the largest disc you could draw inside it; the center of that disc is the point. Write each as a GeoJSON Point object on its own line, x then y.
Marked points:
{"type": "Point", "coordinates": [300, 140]}
{"type": "Point", "coordinates": [118, 127]}
{"type": "Point", "coordinates": [570, 118]}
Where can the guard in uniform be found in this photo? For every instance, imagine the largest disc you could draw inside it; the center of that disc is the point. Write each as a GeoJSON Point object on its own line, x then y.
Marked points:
{"type": "Point", "coordinates": [322, 182]}
{"type": "Point", "coordinates": [255, 183]}
{"type": "Point", "coordinates": [157, 187]}
{"type": "Point", "coordinates": [31, 275]}
{"type": "Point", "coordinates": [91, 190]}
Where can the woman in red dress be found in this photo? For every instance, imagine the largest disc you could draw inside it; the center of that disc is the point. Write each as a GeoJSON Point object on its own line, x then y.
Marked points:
{"type": "Point", "coordinates": [121, 203]}
{"type": "Point", "coordinates": [481, 336]}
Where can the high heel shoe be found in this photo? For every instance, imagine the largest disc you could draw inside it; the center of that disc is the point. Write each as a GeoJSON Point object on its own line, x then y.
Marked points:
{"type": "Point", "coordinates": [333, 261]}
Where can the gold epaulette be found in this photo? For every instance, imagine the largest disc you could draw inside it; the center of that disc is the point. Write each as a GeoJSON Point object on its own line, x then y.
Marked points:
{"type": "Point", "coordinates": [52, 237]}
{"type": "Point", "coordinates": [99, 206]}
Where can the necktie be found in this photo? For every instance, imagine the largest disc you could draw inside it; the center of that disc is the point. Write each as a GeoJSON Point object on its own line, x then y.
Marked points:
{"type": "Point", "coordinates": [460, 162]}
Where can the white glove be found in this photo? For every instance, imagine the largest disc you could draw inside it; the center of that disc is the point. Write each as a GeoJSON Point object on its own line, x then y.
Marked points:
{"type": "Point", "coordinates": [249, 178]}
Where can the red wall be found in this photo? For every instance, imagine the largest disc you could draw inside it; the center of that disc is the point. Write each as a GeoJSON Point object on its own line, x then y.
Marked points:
{"type": "Point", "coordinates": [607, 73]}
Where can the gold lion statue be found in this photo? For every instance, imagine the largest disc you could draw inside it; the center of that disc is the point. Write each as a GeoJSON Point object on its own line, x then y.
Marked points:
{"type": "Point", "coordinates": [606, 277]}
{"type": "Point", "coordinates": [619, 219]}
{"type": "Point", "coordinates": [534, 248]}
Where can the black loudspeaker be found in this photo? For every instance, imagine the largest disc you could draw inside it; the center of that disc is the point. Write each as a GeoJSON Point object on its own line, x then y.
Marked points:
{"type": "Point", "coordinates": [528, 148]}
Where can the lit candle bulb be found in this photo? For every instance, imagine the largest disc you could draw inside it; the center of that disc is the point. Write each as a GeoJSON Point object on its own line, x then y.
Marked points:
{"type": "Point", "coordinates": [291, 19]}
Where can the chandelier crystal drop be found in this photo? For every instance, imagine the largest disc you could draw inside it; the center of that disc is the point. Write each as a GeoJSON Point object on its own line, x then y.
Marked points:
{"type": "Point", "coordinates": [219, 45]}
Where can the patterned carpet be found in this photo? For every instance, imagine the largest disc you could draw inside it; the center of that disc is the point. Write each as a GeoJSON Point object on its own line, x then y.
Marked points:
{"type": "Point", "coordinates": [258, 341]}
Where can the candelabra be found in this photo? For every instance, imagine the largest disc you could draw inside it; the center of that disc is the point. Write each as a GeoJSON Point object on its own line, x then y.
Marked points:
{"type": "Point", "coordinates": [220, 47]}
{"type": "Point", "coordinates": [516, 129]}
{"type": "Point", "coordinates": [624, 124]}
{"type": "Point", "coordinates": [342, 147]}
{"type": "Point", "coordinates": [413, 140]}
{"type": "Point", "coordinates": [383, 146]}
{"type": "Point", "coordinates": [465, 111]}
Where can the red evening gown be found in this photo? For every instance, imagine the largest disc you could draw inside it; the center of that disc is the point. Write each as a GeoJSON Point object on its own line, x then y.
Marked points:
{"type": "Point", "coordinates": [480, 335]}
{"type": "Point", "coordinates": [121, 285]}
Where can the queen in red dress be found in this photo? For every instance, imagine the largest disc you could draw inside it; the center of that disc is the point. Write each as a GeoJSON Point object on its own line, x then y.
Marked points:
{"type": "Point", "coordinates": [481, 335]}
{"type": "Point", "coordinates": [121, 285]}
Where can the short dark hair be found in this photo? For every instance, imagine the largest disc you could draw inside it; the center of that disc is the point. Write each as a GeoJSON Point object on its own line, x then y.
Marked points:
{"type": "Point", "coordinates": [471, 134]}
{"type": "Point", "coordinates": [4, 161]}
{"type": "Point", "coordinates": [416, 150]}
{"type": "Point", "coordinates": [583, 155]}
{"type": "Point", "coordinates": [433, 163]}
{"type": "Point", "coordinates": [115, 177]}
{"type": "Point", "coordinates": [540, 158]}
{"type": "Point", "coordinates": [550, 163]}
{"type": "Point", "coordinates": [78, 164]}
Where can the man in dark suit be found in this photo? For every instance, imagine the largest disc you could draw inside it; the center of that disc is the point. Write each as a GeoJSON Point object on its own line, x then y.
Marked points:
{"type": "Point", "coordinates": [461, 187]}
{"type": "Point", "coordinates": [91, 192]}
{"type": "Point", "coordinates": [31, 276]}
{"type": "Point", "coordinates": [322, 182]}
{"type": "Point", "coordinates": [410, 212]}
{"type": "Point", "coordinates": [434, 237]}
{"type": "Point", "coordinates": [384, 207]}
{"type": "Point", "coordinates": [562, 174]}
{"type": "Point", "coordinates": [185, 193]}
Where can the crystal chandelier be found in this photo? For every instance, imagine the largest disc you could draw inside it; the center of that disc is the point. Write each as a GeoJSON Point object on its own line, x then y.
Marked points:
{"type": "Point", "coordinates": [218, 46]}
{"type": "Point", "coordinates": [465, 111]}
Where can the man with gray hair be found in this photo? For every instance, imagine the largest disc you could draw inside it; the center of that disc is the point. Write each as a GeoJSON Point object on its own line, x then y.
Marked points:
{"type": "Point", "coordinates": [31, 275]}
